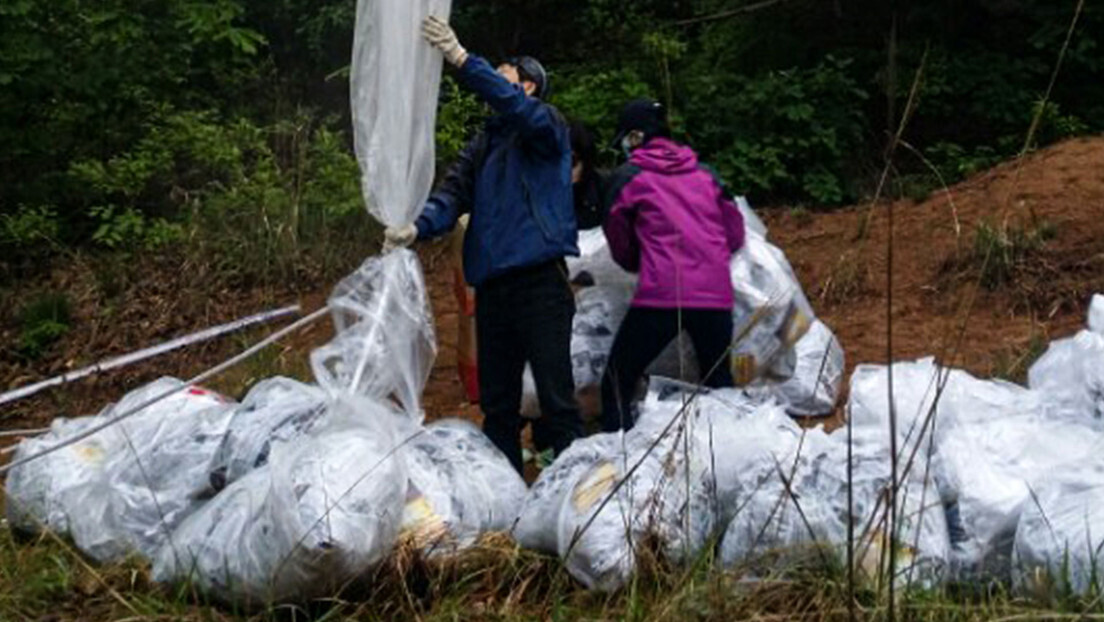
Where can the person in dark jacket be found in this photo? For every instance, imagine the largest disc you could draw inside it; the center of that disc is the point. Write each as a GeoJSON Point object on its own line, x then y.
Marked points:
{"type": "Point", "coordinates": [514, 179]}
{"type": "Point", "coordinates": [671, 222]}
{"type": "Point", "coordinates": [586, 180]}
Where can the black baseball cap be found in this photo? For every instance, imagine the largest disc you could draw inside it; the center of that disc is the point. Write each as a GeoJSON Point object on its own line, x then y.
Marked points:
{"type": "Point", "coordinates": [647, 115]}
{"type": "Point", "coordinates": [531, 70]}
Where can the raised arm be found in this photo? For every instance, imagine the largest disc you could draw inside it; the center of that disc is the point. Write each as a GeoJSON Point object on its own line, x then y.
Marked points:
{"type": "Point", "coordinates": [454, 196]}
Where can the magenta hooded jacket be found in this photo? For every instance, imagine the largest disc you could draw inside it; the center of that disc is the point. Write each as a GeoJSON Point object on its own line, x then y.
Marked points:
{"type": "Point", "coordinates": [671, 222]}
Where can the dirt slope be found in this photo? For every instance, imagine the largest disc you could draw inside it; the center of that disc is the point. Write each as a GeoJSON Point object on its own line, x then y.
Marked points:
{"type": "Point", "coordinates": [934, 271]}
{"type": "Point", "coordinates": [1062, 186]}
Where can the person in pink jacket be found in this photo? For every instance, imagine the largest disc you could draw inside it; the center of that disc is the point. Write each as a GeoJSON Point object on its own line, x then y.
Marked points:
{"type": "Point", "coordinates": [671, 222]}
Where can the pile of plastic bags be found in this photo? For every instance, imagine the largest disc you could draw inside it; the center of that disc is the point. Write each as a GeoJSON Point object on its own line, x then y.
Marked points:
{"type": "Point", "coordinates": [780, 350]}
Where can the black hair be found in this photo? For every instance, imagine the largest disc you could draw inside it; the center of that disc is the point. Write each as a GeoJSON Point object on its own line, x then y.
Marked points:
{"type": "Point", "coordinates": [583, 145]}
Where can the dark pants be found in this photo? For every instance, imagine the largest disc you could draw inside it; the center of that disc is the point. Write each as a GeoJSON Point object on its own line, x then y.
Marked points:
{"type": "Point", "coordinates": [526, 316]}
{"type": "Point", "coordinates": [643, 336]}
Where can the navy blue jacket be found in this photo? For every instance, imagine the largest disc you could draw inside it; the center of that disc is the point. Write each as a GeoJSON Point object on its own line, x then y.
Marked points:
{"type": "Point", "coordinates": [515, 180]}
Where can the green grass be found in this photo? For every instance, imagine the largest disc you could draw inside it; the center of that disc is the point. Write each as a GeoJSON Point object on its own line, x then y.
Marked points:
{"type": "Point", "coordinates": [45, 579]}
{"type": "Point", "coordinates": [44, 320]}
{"type": "Point", "coordinates": [1001, 251]}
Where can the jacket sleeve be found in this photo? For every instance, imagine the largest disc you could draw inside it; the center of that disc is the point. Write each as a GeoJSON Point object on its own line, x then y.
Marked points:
{"type": "Point", "coordinates": [620, 224]}
{"type": "Point", "coordinates": [539, 123]}
{"type": "Point", "coordinates": [453, 197]}
{"type": "Point", "coordinates": [735, 231]}
{"type": "Point", "coordinates": [733, 220]}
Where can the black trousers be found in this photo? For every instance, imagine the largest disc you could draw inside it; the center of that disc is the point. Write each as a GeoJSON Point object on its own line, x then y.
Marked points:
{"type": "Point", "coordinates": [526, 316]}
{"type": "Point", "coordinates": [643, 336]}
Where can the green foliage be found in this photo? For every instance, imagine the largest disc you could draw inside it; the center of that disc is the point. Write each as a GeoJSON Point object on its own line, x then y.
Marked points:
{"type": "Point", "coordinates": [29, 227]}
{"type": "Point", "coordinates": [596, 97]}
{"type": "Point", "coordinates": [458, 118]}
{"type": "Point", "coordinates": [291, 211]}
{"type": "Point", "coordinates": [785, 135]}
{"type": "Point", "coordinates": [44, 320]}
{"type": "Point", "coordinates": [84, 81]}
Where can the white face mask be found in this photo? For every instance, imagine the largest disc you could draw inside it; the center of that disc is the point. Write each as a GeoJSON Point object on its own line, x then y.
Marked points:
{"type": "Point", "coordinates": [627, 146]}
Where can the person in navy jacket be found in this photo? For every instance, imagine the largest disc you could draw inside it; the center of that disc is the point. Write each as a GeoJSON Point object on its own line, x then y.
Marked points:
{"type": "Point", "coordinates": [514, 179]}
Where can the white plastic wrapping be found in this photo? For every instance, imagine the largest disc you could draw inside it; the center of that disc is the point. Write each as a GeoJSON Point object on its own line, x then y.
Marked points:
{"type": "Point", "coordinates": [385, 343]}
{"type": "Point", "coordinates": [923, 548]}
{"type": "Point", "coordinates": [771, 312]}
{"type": "Point", "coordinates": [1061, 533]}
{"type": "Point", "coordinates": [781, 520]}
{"type": "Point", "coordinates": [1096, 314]}
{"type": "Point", "coordinates": [536, 527]}
{"type": "Point", "coordinates": [278, 409]}
{"type": "Point", "coordinates": [613, 511]}
{"type": "Point", "coordinates": [394, 81]}
{"type": "Point", "coordinates": [814, 387]}
{"type": "Point", "coordinates": [1071, 376]}
{"type": "Point", "coordinates": [122, 490]}
{"type": "Point", "coordinates": [984, 471]}
{"type": "Point", "coordinates": [34, 490]}
{"type": "Point", "coordinates": [461, 487]}
{"type": "Point", "coordinates": [325, 509]}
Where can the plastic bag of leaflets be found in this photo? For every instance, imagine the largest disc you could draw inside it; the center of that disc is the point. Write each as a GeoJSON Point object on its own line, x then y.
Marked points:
{"type": "Point", "coordinates": [1071, 372]}
{"type": "Point", "coordinates": [1061, 533]}
{"type": "Point", "coordinates": [790, 507]}
{"type": "Point", "coordinates": [610, 495]}
{"type": "Point", "coordinates": [989, 440]}
{"type": "Point", "coordinates": [780, 350]}
{"type": "Point", "coordinates": [122, 490]}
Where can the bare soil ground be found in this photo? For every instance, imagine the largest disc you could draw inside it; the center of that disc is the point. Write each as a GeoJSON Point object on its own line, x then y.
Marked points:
{"type": "Point", "coordinates": [840, 257]}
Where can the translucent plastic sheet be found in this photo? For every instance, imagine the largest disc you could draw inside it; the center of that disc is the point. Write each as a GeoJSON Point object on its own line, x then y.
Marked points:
{"type": "Point", "coordinates": [990, 440]}
{"type": "Point", "coordinates": [792, 510]}
{"type": "Point", "coordinates": [1096, 314]}
{"type": "Point", "coordinates": [394, 82]}
{"type": "Point", "coordinates": [1061, 533]}
{"type": "Point", "coordinates": [666, 500]}
{"type": "Point", "coordinates": [326, 508]}
{"type": "Point", "coordinates": [124, 489]}
{"type": "Point", "coordinates": [385, 343]}
{"type": "Point", "coordinates": [1071, 376]}
{"type": "Point", "coordinates": [461, 487]}
{"type": "Point", "coordinates": [814, 387]}
{"type": "Point", "coordinates": [278, 409]}
{"type": "Point", "coordinates": [536, 527]}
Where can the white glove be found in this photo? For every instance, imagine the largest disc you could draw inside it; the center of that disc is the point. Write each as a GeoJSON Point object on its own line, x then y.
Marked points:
{"type": "Point", "coordinates": [441, 36]}
{"type": "Point", "coordinates": [399, 237]}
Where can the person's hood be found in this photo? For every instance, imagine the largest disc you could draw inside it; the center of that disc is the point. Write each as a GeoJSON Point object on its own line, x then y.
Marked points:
{"type": "Point", "coordinates": [661, 155]}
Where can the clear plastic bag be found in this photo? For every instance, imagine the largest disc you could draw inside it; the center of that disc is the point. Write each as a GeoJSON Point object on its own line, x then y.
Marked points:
{"type": "Point", "coordinates": [538, 522]}
{"type": "Point", "coordinates": [1071, 376]}
{"type": "Point", "coordinates": [278, 409]}
{"type": "Point", "coordinates": [385, 343]}
{"type": "Point", "coordinates": [1061, 533]}
{"type": "Point", "coordinates": [461, 487]}
{"type": "Point", "coordinates": [32, 491]}
{"type": "Point", "coordinates": [394, 82]}
{"type": "Point", "coordinates": [1096, 314]}
{"type": "Point", "coordinates": [323, 511]}
{"type": "Point", "coordinates": [655, 489]}
{"type": "Point", "coordinates": [123, 490]}
{"type": "Point", "coordinates": [771, 313]}
{"type": "Point", "coordinates": [814, 387]}
{"type": "Point", "coordinates": [985, 470]}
